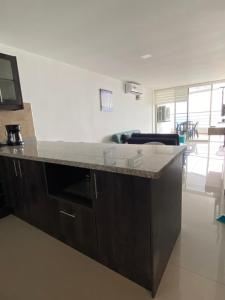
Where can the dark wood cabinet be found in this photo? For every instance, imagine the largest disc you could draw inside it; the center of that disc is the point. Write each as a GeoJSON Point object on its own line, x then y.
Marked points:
{"type": "Point", "coordinates": [127, 223]}
{"type": "Point", "coordinates": [122, 210]}
{"type": "Point", "coordinates": [13, 186]}
{"type": "Point", "coordinates": [25, 187]}
{"type": "Point", "coordinates": [70, 183]}
{"type": "Point", "coordinates": [71, 196]}
{"type": "Point", "coordinates": [4, 204]}
{"type": "Point", "coordinates": [65, 219]}
{"type": "Point", "coordinates": [75, 225]}
{"type": "Point", "coordinates": [10, 89]}
{"type": "Point", "coordinates": [138, 222]}
{"type": "Point", "coordinates": [34, 193]}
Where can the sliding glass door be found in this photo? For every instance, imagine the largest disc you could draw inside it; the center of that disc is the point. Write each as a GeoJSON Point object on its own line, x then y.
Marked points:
{"type": "Point", "coordinates": [199, 107]}
{"type": "Point", "coordinates": [181, 116]}
{"type": "Point", "coordinates": [216, 108]}
{"type": "Point", "coordinates": [190, 111]}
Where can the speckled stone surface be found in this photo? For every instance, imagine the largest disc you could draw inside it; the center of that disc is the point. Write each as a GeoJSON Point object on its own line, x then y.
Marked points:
{"type": "Point", "coordinates": [136, 160]}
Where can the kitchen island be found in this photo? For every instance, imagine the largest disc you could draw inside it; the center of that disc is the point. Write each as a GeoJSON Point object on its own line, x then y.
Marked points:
{"type": "Point", "coordinates": [119, 204]}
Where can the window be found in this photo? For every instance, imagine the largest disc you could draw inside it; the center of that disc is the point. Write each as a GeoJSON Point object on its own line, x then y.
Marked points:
{"type": "Point", "coordinates": [199, 106]}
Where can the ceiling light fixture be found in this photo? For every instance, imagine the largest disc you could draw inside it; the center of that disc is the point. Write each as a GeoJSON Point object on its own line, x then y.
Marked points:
{"type": "Point", "coordinates": [146, 56]}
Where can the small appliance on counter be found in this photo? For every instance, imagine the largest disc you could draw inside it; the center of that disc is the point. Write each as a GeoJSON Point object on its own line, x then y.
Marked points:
{"type": "Point", "coordinates": [14, 137]}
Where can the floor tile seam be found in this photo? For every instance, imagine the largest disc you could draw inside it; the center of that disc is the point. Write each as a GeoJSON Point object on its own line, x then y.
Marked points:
{"type": "Point", "coordinates": [195, 273]}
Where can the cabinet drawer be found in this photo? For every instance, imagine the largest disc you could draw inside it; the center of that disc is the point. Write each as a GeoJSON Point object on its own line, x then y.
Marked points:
{"type": "Point", "coordinates": [76, 226]}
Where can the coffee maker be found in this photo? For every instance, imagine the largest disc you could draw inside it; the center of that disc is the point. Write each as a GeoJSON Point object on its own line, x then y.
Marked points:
{"type": "Point", "coordinates": [14, 137]}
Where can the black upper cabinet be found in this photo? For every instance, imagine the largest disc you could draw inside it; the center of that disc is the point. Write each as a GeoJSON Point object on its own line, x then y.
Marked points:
{"type": "Point", "coordinates": [10, 90]}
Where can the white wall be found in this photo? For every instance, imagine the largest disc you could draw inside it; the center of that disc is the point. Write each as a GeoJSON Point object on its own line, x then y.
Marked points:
{"type": "Point", "coordinates": [65, 100]}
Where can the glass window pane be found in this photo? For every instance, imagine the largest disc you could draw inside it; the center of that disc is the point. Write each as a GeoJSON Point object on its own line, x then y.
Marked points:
{"type": "Point", "coordinates": [7, 90]}
{"type": "Point", "coordinates": [199, 101]}
{"type": "Point", "coordinates": [199, 109]}
{"type": "Point", "coordinates": [181, 112]}
{"type": "Point", "coordinates": [200, 88]}
{"type": "Point", "coordinates": [5, 69]}
{"type": "Point", "coordinates": [217, 103]}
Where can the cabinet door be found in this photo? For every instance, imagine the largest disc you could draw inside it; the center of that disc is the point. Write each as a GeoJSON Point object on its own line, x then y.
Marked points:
{"type": "Point", "coordinates": [5, 197]}
{"type": "Point", "coordinates": [10, 90]}
{"type": "Point", "coordinates": [13, 186]}
{"type": "Point", "coordinates": [123, 227]}
{"type": "Point", "coordinates": [20, 202]}
{"type": "Point", "coordinates": [25, 187]}
{"type": "Point", "coordinates": [75, 226]}
{"type": "Point", "coordinates": [11, 180]}
{"type": "Point", "coordinates": [34, 193]}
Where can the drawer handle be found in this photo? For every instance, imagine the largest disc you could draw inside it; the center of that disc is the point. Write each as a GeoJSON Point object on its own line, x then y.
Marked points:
{"type": "Point", "coordinates": [67, 214]}
{"type": "Point", "coordinates": [1, 99]}
{"type": "Point", "coordinates": [21, 175]}
{"type": "Point", "coordinates": [15, 170]}
{"type": "Point", "coordinates": [96, 188]}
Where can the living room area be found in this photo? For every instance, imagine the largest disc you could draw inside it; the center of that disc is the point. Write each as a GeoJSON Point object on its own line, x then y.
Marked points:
{"type": "Point", "coordinates": [186, 111]}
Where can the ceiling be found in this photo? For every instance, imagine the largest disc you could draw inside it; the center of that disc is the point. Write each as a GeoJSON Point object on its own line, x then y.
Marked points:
{"type": "Point", "coordinates": [186, 38]}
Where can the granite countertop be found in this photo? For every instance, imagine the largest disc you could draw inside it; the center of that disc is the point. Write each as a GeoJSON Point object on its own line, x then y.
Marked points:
{"type": "Point", "coordinates": [137, 160]}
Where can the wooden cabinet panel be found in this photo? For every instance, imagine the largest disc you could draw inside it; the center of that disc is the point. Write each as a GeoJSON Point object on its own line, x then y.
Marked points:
{"type": "Point", "coordinates": [26, 192]}
{"type": "Point", "coordinates": [34, 193]}
{"type": "Point", "coordinates": [165, 218]}
{"type": "Point", "coordinates": [75, 226]}
{"type": "Point", "coordinates": [12, 182]}
{"type": "Point", "coordinates": [5, 204]}
{"type": "Point", "coordinates": [123, 227]}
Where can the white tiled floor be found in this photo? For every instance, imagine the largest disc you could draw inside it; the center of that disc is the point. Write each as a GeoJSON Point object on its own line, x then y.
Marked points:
{"type": "Point", "coordinates": [200, 249]}
{"type": "Point", "coordinates": [35, 266]}
{"type": "Point", "coordinates": [201, 246]}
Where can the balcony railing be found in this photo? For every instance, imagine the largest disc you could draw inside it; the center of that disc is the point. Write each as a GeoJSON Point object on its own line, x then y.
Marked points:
{"type": "Point", "coordinates": [203, 118]}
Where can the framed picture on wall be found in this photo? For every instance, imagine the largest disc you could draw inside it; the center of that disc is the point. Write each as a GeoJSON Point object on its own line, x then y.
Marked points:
{"type": "Point", "coordinates": [106, 104]}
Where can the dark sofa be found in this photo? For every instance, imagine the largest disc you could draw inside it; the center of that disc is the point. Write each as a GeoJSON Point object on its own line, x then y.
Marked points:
{"type": "Point", "coordinates": [136, 137]}
{"type": "Point", "coordinates": [142, 138]}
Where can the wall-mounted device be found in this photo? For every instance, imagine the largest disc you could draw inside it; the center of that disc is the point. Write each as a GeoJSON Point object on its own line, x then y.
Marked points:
{"type": "Point", "coordinates": [134, 88]}
{"type": "Point", "coordinates": [163, 114]}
